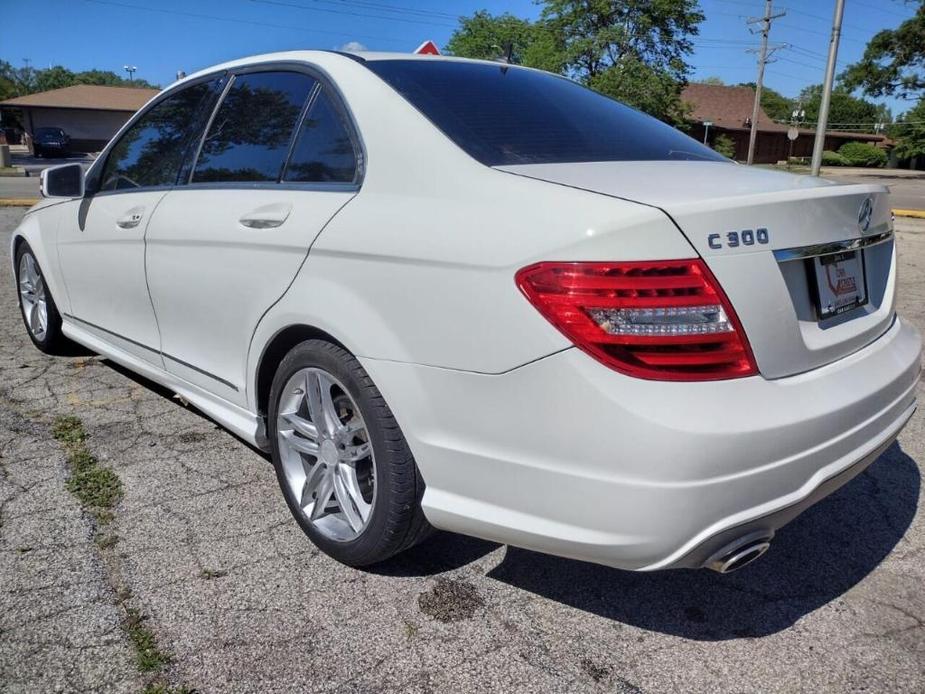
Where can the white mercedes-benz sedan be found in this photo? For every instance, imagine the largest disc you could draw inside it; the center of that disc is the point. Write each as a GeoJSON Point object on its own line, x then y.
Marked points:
{"type": "Point", "coordinates": [472, 296]}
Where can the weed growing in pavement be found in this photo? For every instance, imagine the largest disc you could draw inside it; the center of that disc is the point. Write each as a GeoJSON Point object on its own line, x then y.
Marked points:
{"type": "Point", "coordinates": [96, 487]}
{"type": "Point", "coordinates": [99, 489]}
{"type": "Point", "coordinates": [209, 574]}
{"type": "Point", "coordinates": [149, 657]}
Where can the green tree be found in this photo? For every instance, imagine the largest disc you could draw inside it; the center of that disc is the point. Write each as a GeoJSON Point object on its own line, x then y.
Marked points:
{"type": "Point", "coordinates": [893, 63]}
{"type": "Point", "coordinates": [53, 78]}
{"type": "Point", "coordinates": [107, 78]}
{"type": "Point", "coordinates": [725, 146]}
{"type": "Point", "coordinates": [910, 133]}
{"type": "Point", "coordinates": [486, 36]}
{"type": "Point", "coordinates": [713, 80]}
{"type": "Point", "coordinates": [846, 111]}
{"type": "Point", "coordinates": [776, 105]}
{"type": "Point", "coordinates": [634, 50]}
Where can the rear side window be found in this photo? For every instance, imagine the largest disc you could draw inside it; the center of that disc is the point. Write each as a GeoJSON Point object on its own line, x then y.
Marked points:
{"type": "Point", "coordinates": [506, 115]}
{"type": "Point", "coordinates": [323, 151]}
{"type": "Point", "coordinates": [249, 137]}
{"type": "Point", "coordinates": [151, 152]}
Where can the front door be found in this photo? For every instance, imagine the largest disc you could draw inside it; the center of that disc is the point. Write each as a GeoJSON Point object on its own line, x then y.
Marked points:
{"type": "Point", "coordinates": [101, 245]}
{"type": "Point", "coordinates": [276, 164]}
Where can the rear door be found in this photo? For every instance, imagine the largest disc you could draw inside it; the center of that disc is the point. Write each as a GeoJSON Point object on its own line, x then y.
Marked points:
{"type": "Point", "coordinates": [101, 245]}
{"type": "Point", "coordinates": [278, 160]}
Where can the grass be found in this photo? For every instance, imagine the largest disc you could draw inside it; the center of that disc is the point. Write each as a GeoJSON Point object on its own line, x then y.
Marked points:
{"type": "Point", "coordinates": [149, 658]}
{"type": "Point", "coordinates": [209, 574]}
{"type": "Point", "coordinates": [161, 688]}
{"type": "Point", "coordinates": [97, 488]}
{"type": "Point", "coordinates": [69, 430]}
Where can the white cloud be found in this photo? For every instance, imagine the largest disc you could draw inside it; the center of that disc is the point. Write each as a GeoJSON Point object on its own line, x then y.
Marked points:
{"type": "Point", "coordinates": [352, 46]}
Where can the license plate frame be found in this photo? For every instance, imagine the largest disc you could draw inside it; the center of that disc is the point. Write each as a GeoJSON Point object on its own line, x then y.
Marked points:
{"type": "Point", "coordinates": [838, 282]}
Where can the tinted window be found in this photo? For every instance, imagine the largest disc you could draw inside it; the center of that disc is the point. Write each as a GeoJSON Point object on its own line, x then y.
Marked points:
{"type": "Point", "coordinates": [151, 152]}
{"type": "Point", "coordinates": [250, 135]}
{"type": "Point", "coordinates": [503, 115]}
{"type": "Point", "coordinates": [323, 151]}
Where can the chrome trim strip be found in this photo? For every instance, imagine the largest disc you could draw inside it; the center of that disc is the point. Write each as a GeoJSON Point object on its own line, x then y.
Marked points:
{"type": "Point", "coordinates": [150, 349]}
{"type": "Point", "coordinates": [786, 254]}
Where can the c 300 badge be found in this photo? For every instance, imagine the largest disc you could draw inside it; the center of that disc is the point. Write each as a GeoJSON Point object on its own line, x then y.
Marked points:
{"type": "Point", "coordinates": [734, 239]}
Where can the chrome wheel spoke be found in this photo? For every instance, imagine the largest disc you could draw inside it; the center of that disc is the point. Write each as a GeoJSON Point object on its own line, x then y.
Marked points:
{"type": "Point", "coordinates": [320, 405]}
{"type": "Point", "coordinates": [313, 477]}
{"type": "Point", "coordinates": [299, 425]}
{"type": "Point", "coordinates": [349, 498]}
{"type": "Point", "coordinates": [322, 496]}
{"type": "Point", "coordinates": [299, 444]}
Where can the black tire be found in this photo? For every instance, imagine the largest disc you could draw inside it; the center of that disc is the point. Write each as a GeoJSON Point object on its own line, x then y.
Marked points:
{"type": "Point", "coordinates": [37, 152]}
{"type": "Point", "coordinates": [53, 341]}
{"type": "Point", "coordinates": [396, 521]}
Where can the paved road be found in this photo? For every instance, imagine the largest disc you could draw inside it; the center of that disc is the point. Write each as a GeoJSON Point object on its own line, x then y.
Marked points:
{"type": "Point", "coordinates": [19, 187]}
{"type": "Point", "coordinates": [907, 188]}
{"type": "Point", "coordinates": [240, 601]}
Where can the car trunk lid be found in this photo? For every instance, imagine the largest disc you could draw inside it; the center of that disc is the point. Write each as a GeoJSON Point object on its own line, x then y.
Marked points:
{"type": "Point", "coordinates": [760, 232]}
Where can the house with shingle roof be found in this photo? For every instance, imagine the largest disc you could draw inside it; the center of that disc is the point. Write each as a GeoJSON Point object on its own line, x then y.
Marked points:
{"type": "Point", "coordinates": [91, 114]}
{"type": "Point", "coordinates": [729, 112]}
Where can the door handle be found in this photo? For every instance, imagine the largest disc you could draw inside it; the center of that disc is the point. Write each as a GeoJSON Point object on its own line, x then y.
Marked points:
{"type": "Point", "coordinates": [131, 219]}
{"type": "Point", "coordinates": [267, 216]}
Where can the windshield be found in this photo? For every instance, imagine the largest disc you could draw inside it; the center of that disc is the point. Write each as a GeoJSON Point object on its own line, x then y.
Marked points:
{"type": "Point", "coordinates": [49, 132]}
{"type": "Point", "coordinates": [504, 115]}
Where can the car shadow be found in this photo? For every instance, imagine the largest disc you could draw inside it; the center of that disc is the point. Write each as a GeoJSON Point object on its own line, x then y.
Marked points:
{"type": "Point", "coordinates": [813, 560]}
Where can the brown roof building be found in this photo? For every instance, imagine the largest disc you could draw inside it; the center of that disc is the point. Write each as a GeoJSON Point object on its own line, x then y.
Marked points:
{"type": "Point", "coordinates": [90, 114]}
{"type": "Point", "coordinates": [729, 111]}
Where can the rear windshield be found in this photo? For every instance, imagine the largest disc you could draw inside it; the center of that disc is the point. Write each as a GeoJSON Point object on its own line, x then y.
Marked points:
{"type": "Point", "coordinates": [503, 115]}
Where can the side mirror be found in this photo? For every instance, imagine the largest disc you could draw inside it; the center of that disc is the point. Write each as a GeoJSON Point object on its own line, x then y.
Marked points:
{"type": "Point", "coordinates": [65, 181]}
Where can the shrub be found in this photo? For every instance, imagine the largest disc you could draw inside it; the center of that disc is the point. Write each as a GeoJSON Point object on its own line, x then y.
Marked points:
{"type": "Point", "coordinates": [724, 145]}
{"type": "Point", "coordinates": [830, 158]}
{"type": "Point", "coordinates": [862, 154]}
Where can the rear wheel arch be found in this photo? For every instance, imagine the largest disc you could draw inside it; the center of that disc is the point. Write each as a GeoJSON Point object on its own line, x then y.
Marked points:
{"type": "Point", "coordinates": [275, 351]}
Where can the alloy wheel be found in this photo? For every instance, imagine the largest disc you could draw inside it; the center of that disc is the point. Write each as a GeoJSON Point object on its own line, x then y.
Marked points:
{"type": "Point", "coordinates": [326, 455]}
{"type": "Point", "coordinates": [33, 298]}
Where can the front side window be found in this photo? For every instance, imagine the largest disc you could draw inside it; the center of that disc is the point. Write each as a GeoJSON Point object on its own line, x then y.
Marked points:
{"type": "Point", "coordinates": [250, 134]}
{"type": "Point", "coordinates": [151, 151]}
{"type": "Point", "coordinates": [323, 151]}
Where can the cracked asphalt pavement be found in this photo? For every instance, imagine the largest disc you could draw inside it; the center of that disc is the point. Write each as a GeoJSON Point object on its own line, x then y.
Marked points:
{"type": "Point", "coordinates": [240, 601]}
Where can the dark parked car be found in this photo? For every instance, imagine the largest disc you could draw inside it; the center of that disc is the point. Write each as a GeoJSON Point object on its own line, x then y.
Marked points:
{"type": "Point", "coordinates": [51, 142]}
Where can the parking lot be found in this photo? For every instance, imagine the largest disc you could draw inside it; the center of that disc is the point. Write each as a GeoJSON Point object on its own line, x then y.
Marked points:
{"type": "Point", "coordinates": [201, 580]}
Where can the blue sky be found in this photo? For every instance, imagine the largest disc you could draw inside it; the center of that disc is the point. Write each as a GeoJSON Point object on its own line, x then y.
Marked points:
{"type": "Point", "coordinates": [163, 36]}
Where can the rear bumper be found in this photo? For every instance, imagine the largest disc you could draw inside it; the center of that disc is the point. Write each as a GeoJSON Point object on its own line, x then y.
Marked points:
{"type": "Point", "coordinates": [568, 457]}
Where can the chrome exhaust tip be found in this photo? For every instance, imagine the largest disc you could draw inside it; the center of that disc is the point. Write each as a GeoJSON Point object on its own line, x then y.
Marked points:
{"type": "Point", "coordinates": [741, 556]}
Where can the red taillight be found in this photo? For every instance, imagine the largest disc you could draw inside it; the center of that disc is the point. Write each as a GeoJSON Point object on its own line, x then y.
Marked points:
{"type": "Point", "coordinates": [664, 320]}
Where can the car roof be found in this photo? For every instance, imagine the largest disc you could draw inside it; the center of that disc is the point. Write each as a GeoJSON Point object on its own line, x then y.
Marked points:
{"type": "Point", "coordinates": [321, 55]}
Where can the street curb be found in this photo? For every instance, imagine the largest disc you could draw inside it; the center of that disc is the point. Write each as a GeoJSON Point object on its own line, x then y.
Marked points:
{"type": "Point", "coordinates": [918, 214]}
{"type": "Point", "coordinates": [18, 202]}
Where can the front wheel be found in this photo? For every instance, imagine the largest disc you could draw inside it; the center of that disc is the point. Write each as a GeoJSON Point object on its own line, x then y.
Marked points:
{"type": "Point", "coordinates": [344, 466]}
{"type": "Point", "coordinates": [39, 313]}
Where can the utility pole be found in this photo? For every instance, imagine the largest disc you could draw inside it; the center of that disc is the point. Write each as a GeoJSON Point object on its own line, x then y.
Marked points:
{"type": "Point", "coordinates": [762, 61]}
{"type": "Point", "coordinates": [827, 87]}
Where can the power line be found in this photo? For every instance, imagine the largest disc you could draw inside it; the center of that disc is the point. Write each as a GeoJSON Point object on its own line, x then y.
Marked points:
{"type": "Point", "coordinates": [382, 7]}
{"type": "Point", "coordinates": [296, 6]}
{"type": "Point", "coordinates": [234, 20]}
